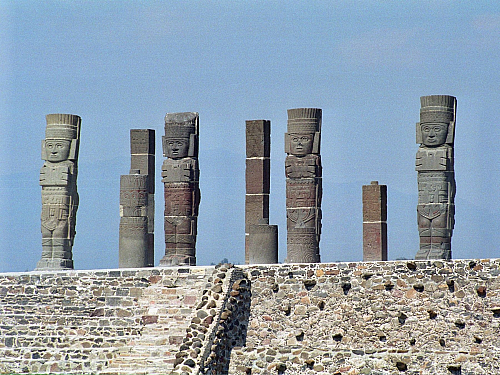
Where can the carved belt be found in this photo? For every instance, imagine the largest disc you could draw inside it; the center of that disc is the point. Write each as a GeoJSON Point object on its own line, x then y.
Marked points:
{"type": "Point", "coordinates": [431, 211]}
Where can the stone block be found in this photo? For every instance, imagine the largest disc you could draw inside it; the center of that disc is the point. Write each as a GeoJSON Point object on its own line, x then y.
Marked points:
{"type": "Point", "coordinates": [256, 208]}
{"type": "Point", "coordinates": [258, 138]}
{"type": "Point", "coordinates": [258, 176]}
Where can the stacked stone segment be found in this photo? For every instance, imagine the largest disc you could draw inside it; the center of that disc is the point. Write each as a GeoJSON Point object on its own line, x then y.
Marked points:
{"type": "Point", "coordinates": [261, 244]}
{"type": "Point", "coordinates": [374, 222]}
{"type": "Point", "coordinates": [142, 158]}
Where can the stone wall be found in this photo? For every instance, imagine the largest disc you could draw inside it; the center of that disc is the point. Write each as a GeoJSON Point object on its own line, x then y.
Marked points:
{"type": "Point", "coordinates": [428, 317]}
{"type": "Point", "coordinates": [110, 321]}
{"type": "Point", "coordinates": [373, 318]}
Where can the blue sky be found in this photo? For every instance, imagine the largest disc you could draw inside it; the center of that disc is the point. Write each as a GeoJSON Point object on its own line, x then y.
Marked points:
{"type": "Point", "coordinates": [124, 64]}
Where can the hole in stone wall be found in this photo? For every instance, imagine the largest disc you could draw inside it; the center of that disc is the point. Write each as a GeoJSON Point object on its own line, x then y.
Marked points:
{"type": "Point", "coordinates": [432, 314]}
{"type": "Point", "coordinates": [478, 340]}
{"type": "Point", "coordinates": [287, 310]}
{"type": "Point", "coordinates": [411, 266]}
{"type": "Point", "coordinates": [310, 363]}
{"type": "Point", "coordinates": [309, 284]}
{"type": "Point", "coordinates": [481, 291]}
{"type": "Point", "coordinates": [472, 264]}
{"type": "Point", "coordinates": [337, 337]}
{"type": "Point", "coordinates": [346, 287]}
{"type": "Point", "coordinates": [460, 324]}
{"type": "Point", "coordinates": [276, 288]}
{"type": "Point", "coordinates": [402, 318]}
{"type": "Point", "coordinates": [389, 286]}
{"type": "Point", "coordinates": [418, 287]}
{"type": "Point", "coordinates": [383, 338]}
{"type": "Point", "coordinates": [451, 285]}
{"type": "Point", "coordinates": [321, 305]}
{"type": "Point", "coordinates": [455, 369]}
{"type": "Point", "coordinates": [300, 336]}
{"type": "Point", "coordinates": [281, 368]}
{"type": "Point", "coordinates": [496, 313]}
{"type": "Point", "coordinates": [367, 276]}
{"type": "Point", "coordinates": [412, 342]}
{"type": "Point", "coordinates": [401, 366]}
{"type": "Point", "coordinates": [442, 342]}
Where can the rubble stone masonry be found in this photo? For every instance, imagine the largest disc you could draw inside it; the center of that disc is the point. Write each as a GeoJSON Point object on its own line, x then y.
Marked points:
{"type": "Point", "coordinates": [397, 317]}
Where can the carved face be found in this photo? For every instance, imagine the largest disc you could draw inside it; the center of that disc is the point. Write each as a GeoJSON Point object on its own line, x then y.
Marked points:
{"type": "Point", "coordinates": [434, 134]}
{"type": "Point", "coordinates": [176, 148]}
{"type": "Point", "coordinates": [301, 144]}
{"type": "Point", "coordinates": [57, 149]}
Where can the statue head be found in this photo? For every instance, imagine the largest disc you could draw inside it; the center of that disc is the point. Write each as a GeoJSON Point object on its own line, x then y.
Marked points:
{"type": "Point", "coordinates": [437, 120]}
{"type": "Point", "coordinates": [62, 136]}
{"type": "Point", "coordinates": [181, 135]}
{"type": "Point", "coordinates": [301, 143]}
{"type": "Point", "coordinates": [304, 127]}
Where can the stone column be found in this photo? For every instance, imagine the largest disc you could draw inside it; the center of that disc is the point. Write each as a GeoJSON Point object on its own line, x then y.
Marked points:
{"type": "Point", "coordinates": [374, 222]}
{"type": "Point", "coordinates": [59, 191]}
{"type": "Point", "coordinates": [303, 185]}
{"type": "Point", "coordinates": [134, 246]}
{"type": "Point", "coordinates": [142, 150]}
{"type": "Point", "coordinates": [180, 174]}
{"type": "Point", "coordinates": [261, 244]}
{"type": "Point", "coordinates": [436, 176]}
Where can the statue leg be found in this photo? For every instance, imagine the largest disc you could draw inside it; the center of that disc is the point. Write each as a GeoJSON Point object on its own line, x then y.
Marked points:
{"type": "Point", "coordinates": [61, 254]}
{"type": "Point", "coordinates": [441, 238]}
{"type": "Point", "coordinates": [47, 250]}
{"type": "Point", "coordinates": [424, 231]}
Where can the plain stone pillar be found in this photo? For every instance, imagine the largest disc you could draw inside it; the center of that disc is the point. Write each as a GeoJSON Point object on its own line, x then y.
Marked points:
{"type": "Point", "coordinates": [133, 238]}
{"type": "Point", "coordinates": [303, 185]}
{"type": "Point", "coordinates": [263, 248]}
{"type": "Point", "coordinates": [374, 222]}
{"type": "Point", "coordinates": [263, 244]}
{"type": "Point", "coordinates": [142, 151]}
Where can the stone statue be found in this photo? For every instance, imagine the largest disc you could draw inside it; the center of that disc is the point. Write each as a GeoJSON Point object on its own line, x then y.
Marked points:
{"type": "Point", "coordinates": [59, 194]}
{"type": "Point", "coordinates": [134, 244]}
{"type": "Point", "coordinates": [436, 176]}
{"type": "Point", "coordinates": [261, 239]}
{"type": "Point", "coordinates": [180, 174]}
{"type": "Point", "coordinates": [303, 185]}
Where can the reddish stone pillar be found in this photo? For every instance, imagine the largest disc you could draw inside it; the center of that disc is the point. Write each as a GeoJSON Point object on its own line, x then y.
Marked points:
{"type": "Point", "coordinates": [260, 237]}
{"type": "Point", "coordinates": [374, 222]}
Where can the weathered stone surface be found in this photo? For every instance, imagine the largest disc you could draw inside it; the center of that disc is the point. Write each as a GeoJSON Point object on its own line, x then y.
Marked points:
{"type": "Point", "coordinates": [180, 174]}
{"type": "Point", "coordinates": [98, 322]}
{"type": "Point", "coordinates": [58, 178]}
{"type": "Point", "coordinates": [303, 185]}
{"type": "Point", "coordinates": [436, 176]}
{"type": "Point", "coordinates": [133, 234]}
{"type": "Point", "coordinates": [374, 222]}
{"type": "Point", "coordinates": [261, 245]}
{"type": "Point", "coordinates": [142, 158]}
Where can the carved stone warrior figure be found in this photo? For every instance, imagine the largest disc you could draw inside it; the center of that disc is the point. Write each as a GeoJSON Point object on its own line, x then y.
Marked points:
{"type": "Point", "coordinates": [436, 176]}
{"type": "Point", "coordinates": [182, 193]}
{"type": "Point", "coordinates": [303, 185]}
{"type": "Point", "coordinates": [59, 194]}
